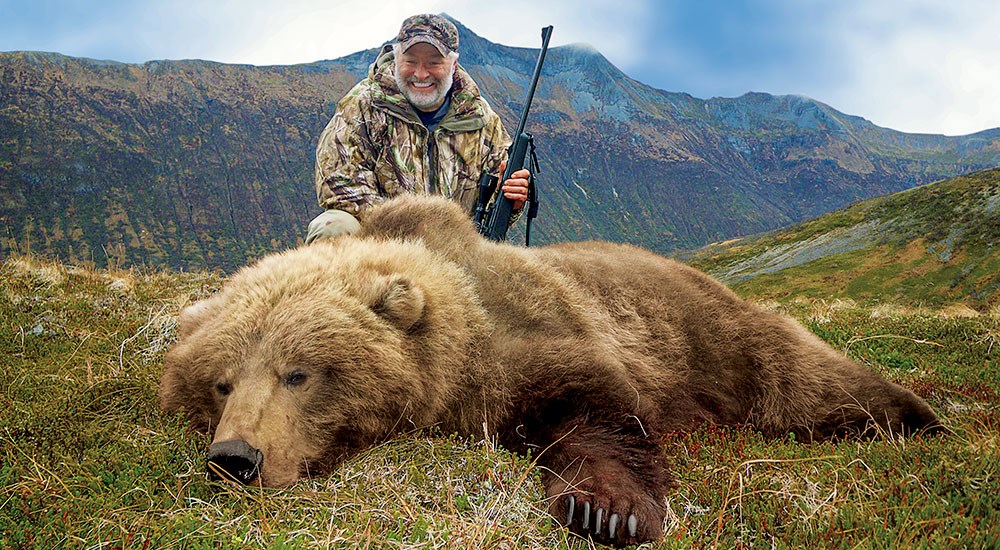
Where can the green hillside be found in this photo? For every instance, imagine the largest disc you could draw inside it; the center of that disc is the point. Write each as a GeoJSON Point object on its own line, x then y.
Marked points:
{"type": "Point", "coordinates": [932, 245]}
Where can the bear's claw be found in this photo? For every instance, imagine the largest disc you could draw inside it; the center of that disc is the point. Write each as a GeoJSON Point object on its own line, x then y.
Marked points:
{"type": "Point", "coordinates": [615, 524]}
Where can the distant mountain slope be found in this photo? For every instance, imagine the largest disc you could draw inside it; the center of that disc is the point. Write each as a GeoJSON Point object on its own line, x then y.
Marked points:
{"type": "Point", "coordinates": [195, 164]}
{"type": "Point", "coordinates": [931, 245]}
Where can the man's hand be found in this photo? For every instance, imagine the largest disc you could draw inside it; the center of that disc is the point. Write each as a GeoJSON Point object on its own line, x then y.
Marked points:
{"type": "Point", "coordinates": [516, 188]}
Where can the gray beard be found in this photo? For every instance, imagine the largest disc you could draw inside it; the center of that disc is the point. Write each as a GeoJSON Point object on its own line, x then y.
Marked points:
{"type": "Point", "coordinates": [427, 101]}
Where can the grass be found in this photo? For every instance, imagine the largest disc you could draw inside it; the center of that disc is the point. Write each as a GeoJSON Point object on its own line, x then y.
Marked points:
{"type": "Point", "coordinates": [933, 245]}
{"type": "Point", "coordinates": [88, 461]}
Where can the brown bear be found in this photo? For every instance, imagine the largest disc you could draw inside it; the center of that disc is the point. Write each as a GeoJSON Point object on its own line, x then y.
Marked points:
{"type": "Point", "coordinates": [583, 353]}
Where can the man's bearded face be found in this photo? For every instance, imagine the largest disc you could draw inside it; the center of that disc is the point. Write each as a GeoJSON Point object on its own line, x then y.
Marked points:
{"type": "Point", "coordinates": [424, 76]}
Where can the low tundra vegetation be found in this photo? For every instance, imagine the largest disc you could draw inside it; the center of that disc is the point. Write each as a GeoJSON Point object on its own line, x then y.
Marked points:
{"type": "Point", "coordinates": [88, 461]}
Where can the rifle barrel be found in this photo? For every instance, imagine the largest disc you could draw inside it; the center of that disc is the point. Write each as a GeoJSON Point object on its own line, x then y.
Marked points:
{"type": "Point", "coordinates": [546, 34]}
{"type": "Point", "coordinates": [494, 227]}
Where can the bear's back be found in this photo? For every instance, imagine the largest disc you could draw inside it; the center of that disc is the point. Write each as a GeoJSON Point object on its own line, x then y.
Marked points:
{"type": "Point", "coordinates": [617, 273]}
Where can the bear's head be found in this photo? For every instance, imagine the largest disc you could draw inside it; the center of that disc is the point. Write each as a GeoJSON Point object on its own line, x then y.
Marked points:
{"type": "Point", "coordinates": [314, 354]}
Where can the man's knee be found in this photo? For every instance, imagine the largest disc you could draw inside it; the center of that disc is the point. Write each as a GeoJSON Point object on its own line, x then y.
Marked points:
{"type": "Point", "coordinates": [330, 224]}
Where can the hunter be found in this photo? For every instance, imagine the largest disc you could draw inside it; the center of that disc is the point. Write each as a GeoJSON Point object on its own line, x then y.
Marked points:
{"type": "Point", "coordinates": [416, 124]}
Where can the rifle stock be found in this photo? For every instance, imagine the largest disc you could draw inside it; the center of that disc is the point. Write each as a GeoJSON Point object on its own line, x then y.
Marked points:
{"type": "Point", "coordinates": [497, 218]}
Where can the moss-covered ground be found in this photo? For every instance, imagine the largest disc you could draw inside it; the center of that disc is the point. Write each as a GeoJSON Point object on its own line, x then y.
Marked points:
{"type": "Point", "coordinates": [88, 461]}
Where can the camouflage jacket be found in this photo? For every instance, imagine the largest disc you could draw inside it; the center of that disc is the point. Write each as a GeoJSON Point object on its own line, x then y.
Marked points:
{"type": "Point", "coordinates": [375, 147]}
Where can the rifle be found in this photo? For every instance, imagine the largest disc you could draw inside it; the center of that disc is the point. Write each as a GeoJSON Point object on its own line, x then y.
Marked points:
{"type": "Point", "coordinates": [492, 220]}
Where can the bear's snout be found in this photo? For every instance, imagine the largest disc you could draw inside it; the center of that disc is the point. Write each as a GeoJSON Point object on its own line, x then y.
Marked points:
{"type": "Point", "coordinates": [235, 460]}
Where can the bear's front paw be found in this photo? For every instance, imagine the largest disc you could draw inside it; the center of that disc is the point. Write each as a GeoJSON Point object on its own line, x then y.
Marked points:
{"type": "Point", "coordinates": [614, 511]}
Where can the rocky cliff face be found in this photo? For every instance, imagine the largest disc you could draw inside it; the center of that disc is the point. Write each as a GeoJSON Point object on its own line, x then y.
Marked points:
{"type": "Point", "coordinates": [187, 164]}
{"type": "Point", "coordinates": [194, 164]}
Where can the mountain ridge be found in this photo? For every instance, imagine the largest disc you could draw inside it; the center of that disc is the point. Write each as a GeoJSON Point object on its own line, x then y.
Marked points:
{"type": "Point", "coordinates": [200, 164]}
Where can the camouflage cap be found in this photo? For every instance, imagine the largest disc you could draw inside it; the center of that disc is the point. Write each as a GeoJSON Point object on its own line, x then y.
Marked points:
{"type": "Point", "coordinates": [432, 29]}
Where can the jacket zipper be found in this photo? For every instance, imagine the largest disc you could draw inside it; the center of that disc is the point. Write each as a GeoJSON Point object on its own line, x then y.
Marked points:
{"type": "Point", "coordinates": [430, 163]}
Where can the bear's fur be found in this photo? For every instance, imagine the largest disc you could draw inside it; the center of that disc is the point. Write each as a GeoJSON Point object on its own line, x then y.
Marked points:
{"type": "Point", "coordinates": [584, 352]}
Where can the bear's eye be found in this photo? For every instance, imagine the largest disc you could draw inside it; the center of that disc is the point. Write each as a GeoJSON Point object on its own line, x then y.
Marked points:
{"type": "Point", "coordinates": [295, 378]}
{"type": "Point", "coordinates": [223, 388]}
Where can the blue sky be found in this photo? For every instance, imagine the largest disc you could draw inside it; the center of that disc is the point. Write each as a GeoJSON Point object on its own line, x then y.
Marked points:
{"type": "Point", "coordinates": [930, 66]}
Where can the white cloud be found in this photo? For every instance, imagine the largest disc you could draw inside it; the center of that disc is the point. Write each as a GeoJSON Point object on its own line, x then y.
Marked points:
{"type": "Point", "coordinates": [301, 31]}
{"type": "Point", "coordinates": [612, 26]}
{"type": "Point", "coordinates": [265, 32]}
{"type": "Point", "coordinates": [922, 66]}
{"type": "Point", "coordinates": [912, 65]}
{"type": "Point", "coordinates": [298, 31]}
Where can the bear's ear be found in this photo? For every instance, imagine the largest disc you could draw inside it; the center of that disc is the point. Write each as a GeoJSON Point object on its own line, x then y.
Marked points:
{"type": "Point", "coordinates": [195, 315]}
{"type": "Point", "coordinates": [398, 300]}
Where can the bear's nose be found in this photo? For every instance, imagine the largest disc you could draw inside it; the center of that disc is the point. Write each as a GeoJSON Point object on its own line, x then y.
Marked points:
{"type": "Point", "coordinates": [234, 459]}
